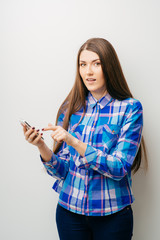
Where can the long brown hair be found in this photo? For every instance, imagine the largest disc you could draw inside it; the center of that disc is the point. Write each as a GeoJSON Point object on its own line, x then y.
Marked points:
{"type": "Point", "coordinates": [116, 86]}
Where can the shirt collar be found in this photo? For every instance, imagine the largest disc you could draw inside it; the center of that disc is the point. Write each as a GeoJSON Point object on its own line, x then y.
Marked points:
{"type": "Point", "coordinates": [102, 101]}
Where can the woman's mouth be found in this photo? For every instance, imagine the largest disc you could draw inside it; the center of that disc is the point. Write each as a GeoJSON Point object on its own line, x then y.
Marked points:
{"type": "Point", "coordinates": [90, 80]}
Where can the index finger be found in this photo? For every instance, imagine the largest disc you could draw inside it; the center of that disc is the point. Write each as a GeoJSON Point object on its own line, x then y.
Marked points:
{"type": "Point", "coordinates": [50, 127]}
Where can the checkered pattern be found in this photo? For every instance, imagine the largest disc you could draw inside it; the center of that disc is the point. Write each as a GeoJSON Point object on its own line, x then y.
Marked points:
{"type": "Point", "coordinates": [99, 183]}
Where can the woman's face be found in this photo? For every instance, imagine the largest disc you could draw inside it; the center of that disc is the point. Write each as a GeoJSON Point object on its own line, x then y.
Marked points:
{"type": "Point", "coordinates": [91, 73]}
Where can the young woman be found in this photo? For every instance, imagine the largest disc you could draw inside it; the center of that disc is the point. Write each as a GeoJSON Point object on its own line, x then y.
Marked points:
{"type": "Point", "coordinates": [98, 143]}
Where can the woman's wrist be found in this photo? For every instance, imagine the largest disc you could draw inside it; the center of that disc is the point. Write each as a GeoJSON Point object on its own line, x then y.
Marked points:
{"type": "Point", "coordinates": [74, 142]}
{"type": "Point", "coordinates": [79, 146]}
{"type": "Point", "coordinates": [45, 152]}
{"type": "Point", "coordinates": [41, 145]}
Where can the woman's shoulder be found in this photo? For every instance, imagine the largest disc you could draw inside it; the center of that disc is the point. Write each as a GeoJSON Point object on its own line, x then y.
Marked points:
{"type": "Point", "coordinates": [130, 102]}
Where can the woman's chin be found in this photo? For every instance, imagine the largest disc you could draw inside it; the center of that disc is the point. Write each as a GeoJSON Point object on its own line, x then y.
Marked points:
{"type": "Point", "coordinates": [91, 88]}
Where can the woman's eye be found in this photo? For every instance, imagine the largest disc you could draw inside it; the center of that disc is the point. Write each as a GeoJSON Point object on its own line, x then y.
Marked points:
{"type": "Point", "coordinates": [82, 64]}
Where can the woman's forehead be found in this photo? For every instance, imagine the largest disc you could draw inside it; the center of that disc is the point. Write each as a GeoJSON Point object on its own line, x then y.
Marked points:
{"type": "Point", "coordinates": [87, 55]}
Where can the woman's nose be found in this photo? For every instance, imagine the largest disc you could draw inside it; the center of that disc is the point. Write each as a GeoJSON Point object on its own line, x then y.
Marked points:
{"type": "Point", "coordinates": [89, 69]}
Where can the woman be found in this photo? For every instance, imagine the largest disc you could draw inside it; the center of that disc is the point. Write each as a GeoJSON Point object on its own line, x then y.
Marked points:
{"type": "Point", "coordinates": [98, 138]}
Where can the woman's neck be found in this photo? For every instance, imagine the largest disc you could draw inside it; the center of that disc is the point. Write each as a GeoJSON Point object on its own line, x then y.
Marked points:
{"type": "Point", "coordinates": [98, 96]}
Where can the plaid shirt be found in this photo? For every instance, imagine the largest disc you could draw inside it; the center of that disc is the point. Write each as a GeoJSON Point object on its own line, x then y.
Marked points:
{"type": "Point", "coordinates": [99, 183]}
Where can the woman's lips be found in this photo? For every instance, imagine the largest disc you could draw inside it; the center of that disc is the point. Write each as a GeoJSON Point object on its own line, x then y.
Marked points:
{"type": "Point", "coordinates": [90, 80]}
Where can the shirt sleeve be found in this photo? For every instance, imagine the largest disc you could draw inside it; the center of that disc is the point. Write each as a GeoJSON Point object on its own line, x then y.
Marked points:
{"type": "Point", "coordinates": [58, 166]}
{"type": "Point", "coordinates": [118, 164]}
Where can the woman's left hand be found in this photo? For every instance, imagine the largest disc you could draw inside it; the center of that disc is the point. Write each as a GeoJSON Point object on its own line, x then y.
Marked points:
{"type": "Point", "coordinates": [60, 134]}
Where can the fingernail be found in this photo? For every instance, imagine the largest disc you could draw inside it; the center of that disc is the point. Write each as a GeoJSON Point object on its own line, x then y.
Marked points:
{"type": "Point", "coordinates": [33, 128]}
{"type": "Point", "coordinates": [42, 129]}
{"type": "Point", "coordinates": [38, 130]}
{"type": "Point", "coordinates": [41, 133]}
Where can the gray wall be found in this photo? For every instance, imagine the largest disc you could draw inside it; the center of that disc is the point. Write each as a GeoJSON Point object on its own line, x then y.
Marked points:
{"type": "Point", "coordinates": [39, 41]}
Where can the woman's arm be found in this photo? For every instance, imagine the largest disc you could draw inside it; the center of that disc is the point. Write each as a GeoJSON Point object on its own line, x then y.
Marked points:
{"type": "Point", "coordinates": [79, 146]}
{"type": "Point", "coordinates": [45, 152]}
{"type": "Point", "coordinates": [118, 164]}
{"type": "Point", "coordinates": [55, 166]}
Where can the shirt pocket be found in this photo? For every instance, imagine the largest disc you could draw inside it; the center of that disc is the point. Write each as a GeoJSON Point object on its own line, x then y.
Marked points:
{"type": "Point", "coordinates": [110, 135]}
{"type": "Point", "coordinates": [78, 131]}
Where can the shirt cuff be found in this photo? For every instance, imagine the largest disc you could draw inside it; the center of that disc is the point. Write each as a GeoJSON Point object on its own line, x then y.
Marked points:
{"type": "Point", "coordinates": [51, 162]}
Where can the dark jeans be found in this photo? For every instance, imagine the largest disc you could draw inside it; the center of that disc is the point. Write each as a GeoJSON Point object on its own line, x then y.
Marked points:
{"type": "Point", "coordinates": [72, 226]}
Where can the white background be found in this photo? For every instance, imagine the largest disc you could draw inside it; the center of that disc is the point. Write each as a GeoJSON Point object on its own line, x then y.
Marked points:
{"type": "Point", "coordinates": [39, 41]}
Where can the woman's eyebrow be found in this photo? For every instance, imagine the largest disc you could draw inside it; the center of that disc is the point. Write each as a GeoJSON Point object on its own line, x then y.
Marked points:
{"type": "Point", "coordinates": [91, 61]}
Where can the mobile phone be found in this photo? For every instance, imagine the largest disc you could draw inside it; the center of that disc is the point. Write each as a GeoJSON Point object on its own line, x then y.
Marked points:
{"type": "Point", "coordinates": [26, 124]}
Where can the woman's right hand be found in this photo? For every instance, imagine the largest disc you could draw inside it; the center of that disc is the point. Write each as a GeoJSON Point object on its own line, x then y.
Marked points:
{"type": "Point", "coordinates": [33, 136]}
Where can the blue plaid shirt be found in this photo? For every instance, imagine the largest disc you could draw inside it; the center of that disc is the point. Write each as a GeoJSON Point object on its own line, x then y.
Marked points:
{"type": "Point", "coordinates": [99, 183]}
